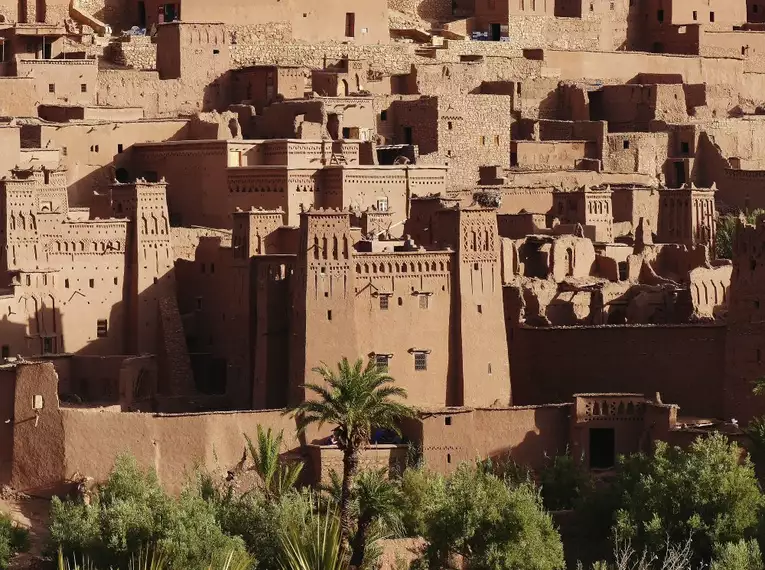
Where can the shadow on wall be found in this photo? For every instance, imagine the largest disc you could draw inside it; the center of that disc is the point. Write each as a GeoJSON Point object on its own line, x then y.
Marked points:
{"type": "Point", "coordinates": [548, 438]}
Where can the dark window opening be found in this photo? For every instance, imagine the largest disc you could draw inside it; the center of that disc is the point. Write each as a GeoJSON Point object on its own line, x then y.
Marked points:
{"type": "Point", "coordinates": [384, 115]}
{"type": "Point", "coordinates": [448, 420]}
{"type": "Point", "coordinates": [120, 149]}
{"type": "Point", "coordinates": [602, 448]}
{"type": "Point", "coordinates": [685, 147]}
{"type": "Point", "coordinates": [381, 360]}
{"type": "Point", "coordinates": [346, 132]}
{"type": "Point", "coordinates": [122, 175]}
{"type": "Point", "coordinates": [695, 15]}
{"type": "Point", "coordinates": [496, 32]}
{"type": "Point", "coordinates": [47, 345]}
{"type": "Point", "coordinates": [623, 270]}
{"type": "Point", "coordinates": [660, 15]}
{"type": "Point", "coordinates": [350, 25]}
{"type": "Point", "coordinates": [711, 16]}
{"type": "Point", "coordinates": [329, 315]}
{"type": "Point", "coordinates": [626, 145]}
{"type": "Point", "coordinates": [216, 51]}
{"type": "Point", "coordinates": [92, 283]}
{"type": "Point", "coordinates": [102, 327]}
{"type": "Point", "coordinates": [408, 138]}
{"type": "Point", "coordinates": [51, 87]}
{"type": "Point", "coordinates": [5, 352]}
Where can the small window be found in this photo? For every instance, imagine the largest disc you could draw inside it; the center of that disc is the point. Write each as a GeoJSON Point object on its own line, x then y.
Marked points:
{"type": "Point", "coordinates": [711, 16]}
{"type": "Point", "coordinates": [660, 15]}
{"type": "Point", "coordinates": [382, 204]}
{"type": "Point", "coordinates": [66, 283]}
{"type": "Point", "coordinates": [120, 149]}
{"type": "Point", "coordinates": [626, 144]}
{"type": "Point", "coordinates": [448, 420]}
{"type": "Point", "coordinates": [5, 352]}
{"type": "Point", "coordinates": [102, 327]}
{"type": "Point", "coordinates": [381, 360]}
{"type": "Point", "coordinates": [216, 51]}
{"type": "Point", "coordinates": [448, 457]}
{"type": "Point", "coordinates": [64, 151]}
{"type": "Point", "coordinates": [480, 309]}
{"type": "Point", "coordinates": [51, 87]}
{"type": "Point", "coordinates": [496, 140]}
{"type": "Point", "coordinates": [383, 302]}
{"type": "Point", "coordinates": [83, 87]}
{"type": "Point", "coordinates": [384, 116]}
{"type": "Point", "coordinates": [450, 126]}
{"type": "Point", "coordinates": [48, 345]}
{"type": "Point", "coordinates": [92, 283]}
{"type": "Point", "coordinates": [695, 15]}
{"type": "Point", "coordinates": [346, 132]}
{"type": "Point", "coordinates": [483, 141]}
{"type": "Point", "coordinates": [423, 301]}
{"type": "Point", "coordinates": [420, 361]}
{"type": "Point", "coordinates": [685, 147]}
{"type": "Point", "coordinates": [329, 315]}
{"type": "Point", "coordinates": [116, 281]}
{"type": "Point", "coordinates": [400, 302]}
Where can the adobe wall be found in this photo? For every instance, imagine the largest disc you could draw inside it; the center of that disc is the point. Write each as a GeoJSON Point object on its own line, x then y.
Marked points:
{"type": "Point", "coordinates": [7, 390]}
{"type": "Point", "coordinates": [686, 363]}
{"type": "Point", "coordinates": [71, 81]}
{"type": "Point", "coordinates": [309, 21]}
{"type": "Point", "coordinates": [91, 165]}
{"type": "Point", "coordinates": [527, 435]}
{"type": "Point", "coordinates": [18, 96]}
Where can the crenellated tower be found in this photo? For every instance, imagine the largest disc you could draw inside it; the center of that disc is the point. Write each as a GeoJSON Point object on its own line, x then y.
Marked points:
{"type": "Point", "coordinates": [745, 343]}
{"type": "Point", "coordinates": [480, 338]}
{"type": "Point", "coordinates": [324, 327]}
{"type": "Point", "coordinates": [154, 325]}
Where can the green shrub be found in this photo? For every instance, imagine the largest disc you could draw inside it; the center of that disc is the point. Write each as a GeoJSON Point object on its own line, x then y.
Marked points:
{"type": "Point", "coordinates": [493, 524]}
{"type": "Point", "coordinates": [707, 492]}
{"type": "Point", "coordinates": [130, 511]}
{"type": "Point", "coordinates": [564, 481]}
{"type": "Point", "coordinates": [741, 555]}
{"type": "Point", "coordinates": [13, 539]}
{"type": "Point", "coordinates": [421, 489]}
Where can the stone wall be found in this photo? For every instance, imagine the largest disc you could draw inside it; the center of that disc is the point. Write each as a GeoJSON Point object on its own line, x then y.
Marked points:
{"type": "Point", "coordinates": [136, 52]}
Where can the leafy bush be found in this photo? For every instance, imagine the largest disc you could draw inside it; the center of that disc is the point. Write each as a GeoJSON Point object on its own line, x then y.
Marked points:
{"type": "Point", "coordinates": [707, 492]}
{"type": "Point", "coordinates": [422, 489]}
{"type": "Point", "coordinates": [492, 524]}
{"type": "Point", "coordinates": [13, 539]}
{"type": "Point", "coordinates": [130, 511]}
{"type": "Point", "coordinates": [564, 481]}
{"type": "Point", "coordinates": [741, 555]}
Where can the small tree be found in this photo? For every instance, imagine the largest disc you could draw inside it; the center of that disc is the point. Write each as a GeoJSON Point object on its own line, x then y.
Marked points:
{"type": "Point", "coordinates": [707, 492]}
{"type": "Point", "coordinates": [492, 524]}
{"type": "Point", "coordinates": [380, 505]}
{"type": "Point", "coordinates": [276, 477]}
{"type": "Point", "coordinates": [356, 399]}
{"type": "Point", "coordinates": [13, 539]}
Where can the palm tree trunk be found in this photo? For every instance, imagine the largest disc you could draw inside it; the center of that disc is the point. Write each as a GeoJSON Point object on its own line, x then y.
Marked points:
{"type": "Point", "coordinates": [360, 542]}
{"type": "Point", "coordinates": [350, 468]}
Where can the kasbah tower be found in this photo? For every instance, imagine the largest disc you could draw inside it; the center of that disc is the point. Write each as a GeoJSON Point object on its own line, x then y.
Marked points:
{"type": "Point", "coordinates": [519, 210]}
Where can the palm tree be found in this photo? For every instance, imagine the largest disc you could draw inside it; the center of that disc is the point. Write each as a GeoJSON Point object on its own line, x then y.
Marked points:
{"type": "Point", "coordinates": [356, 399]}
{"type": "Point", "coordinates": [277, 478]}
{"type": "Point", "coordinates": [380, 505]}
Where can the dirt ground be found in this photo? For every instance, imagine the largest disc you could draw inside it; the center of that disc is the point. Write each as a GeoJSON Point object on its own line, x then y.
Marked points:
{"type": "Point", "coordinates": [31, 513]}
